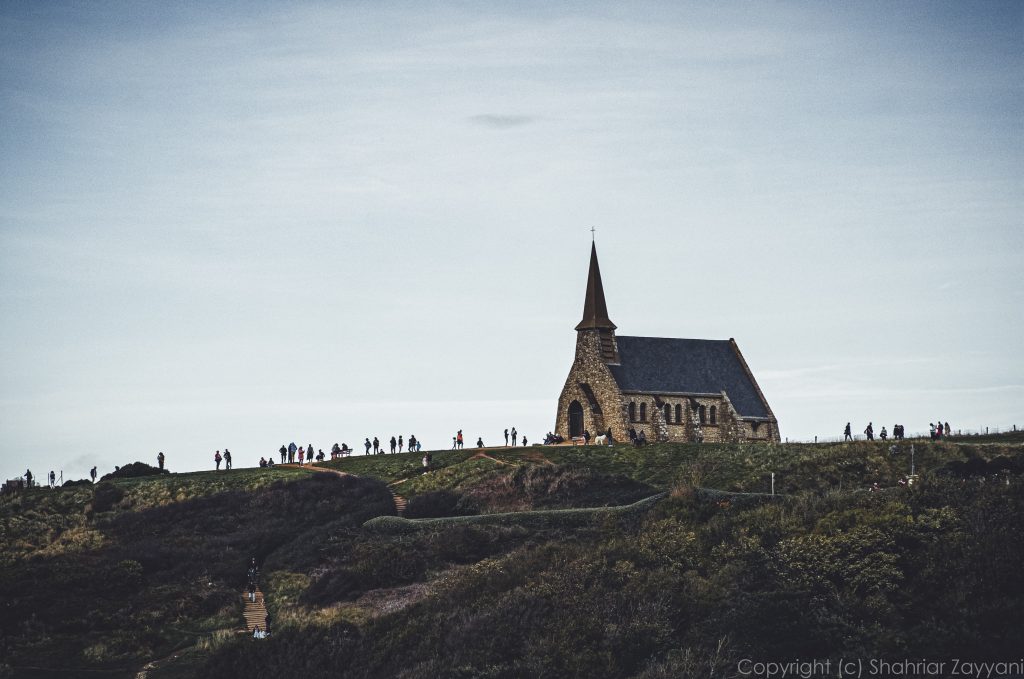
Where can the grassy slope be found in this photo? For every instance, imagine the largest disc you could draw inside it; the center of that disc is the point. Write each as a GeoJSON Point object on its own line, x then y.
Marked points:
{"type": "Point", "coordinates": [162, 569]}
{"type": "Point", "coordinates": [742, 467]}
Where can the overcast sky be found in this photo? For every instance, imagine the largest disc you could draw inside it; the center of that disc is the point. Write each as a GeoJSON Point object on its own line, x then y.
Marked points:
{"type": "Point", "coordinates": [248, 224]}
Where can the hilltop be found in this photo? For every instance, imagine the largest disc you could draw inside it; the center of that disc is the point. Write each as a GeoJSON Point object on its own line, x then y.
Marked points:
{"type": "Point", "coordinates": [668, 560]}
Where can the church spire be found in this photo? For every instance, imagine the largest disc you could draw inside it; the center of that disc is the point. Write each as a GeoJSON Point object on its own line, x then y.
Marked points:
{"type": "Point", "coordinates": [595, 311]}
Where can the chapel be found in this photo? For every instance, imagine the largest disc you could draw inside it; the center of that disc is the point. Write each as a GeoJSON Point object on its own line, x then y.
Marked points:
{"type": "Point", "coordinates": [673, 389]}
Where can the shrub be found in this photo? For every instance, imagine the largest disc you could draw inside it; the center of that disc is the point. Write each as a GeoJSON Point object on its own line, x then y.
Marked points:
{"type": "Point", "coordinates": [134, 470]}
{"type": "Point", "coordinates": [80, 482]}
{"type": "Point", "coordinates": [105, 497]}
{"type": "Point", "coordinates": [440, 503]}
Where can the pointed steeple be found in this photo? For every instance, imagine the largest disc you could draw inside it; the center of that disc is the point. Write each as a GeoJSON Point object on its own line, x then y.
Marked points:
{"type": "Point", "coordinates": [595, 311]}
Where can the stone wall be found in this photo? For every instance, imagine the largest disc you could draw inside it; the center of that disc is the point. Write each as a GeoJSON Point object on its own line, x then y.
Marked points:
{"type": "Point", "coordinates": [728, 426]}
{"type": "Point", "coordinates": [590, 368]}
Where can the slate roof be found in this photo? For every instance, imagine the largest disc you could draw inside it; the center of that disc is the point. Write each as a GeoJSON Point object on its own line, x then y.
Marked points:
{"type": "Point", "coordinates": [665, 365]}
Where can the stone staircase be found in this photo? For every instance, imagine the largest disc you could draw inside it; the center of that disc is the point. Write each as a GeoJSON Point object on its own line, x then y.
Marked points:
{"type": "Point", "coordinates": [255, 612]}
{"type": "Point", "coordinates": [400, 502]}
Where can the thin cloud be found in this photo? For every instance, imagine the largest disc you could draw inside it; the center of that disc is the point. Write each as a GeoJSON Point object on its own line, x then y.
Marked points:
{"type": "Point", "coordinates": [502, 122]}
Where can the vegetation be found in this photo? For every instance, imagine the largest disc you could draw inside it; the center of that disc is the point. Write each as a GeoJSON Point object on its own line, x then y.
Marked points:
{"type": "Point", "coordinates": [665, 561]}
{"type": "Point", "coordinates": [133, 470]}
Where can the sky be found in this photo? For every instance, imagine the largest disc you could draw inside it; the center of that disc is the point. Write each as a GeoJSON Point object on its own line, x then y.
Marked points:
{"type": "Point", "coordinates": [245, 224]}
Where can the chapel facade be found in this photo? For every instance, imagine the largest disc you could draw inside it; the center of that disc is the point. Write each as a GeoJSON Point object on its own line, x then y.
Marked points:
{"type": "Point", "coordinates": [684, 390]}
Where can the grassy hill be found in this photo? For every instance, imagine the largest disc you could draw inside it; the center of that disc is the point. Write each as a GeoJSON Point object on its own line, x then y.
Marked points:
{"type": "Point", "coordinates": [665, 561]}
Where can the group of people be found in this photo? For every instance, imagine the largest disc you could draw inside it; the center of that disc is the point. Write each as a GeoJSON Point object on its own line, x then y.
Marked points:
{"type": "Point", "coordinates": [937, 432]}
{"type": "Point", "coordinates": [397, 445]}
{"type": "Point", "coordinates": [217, 459]}
{"type": "Point", "coordinates": [637, 439]}
{"type": "Point", "coordinates": [294, 453]}
{"type": "Point", "coordinates": [253, 577]}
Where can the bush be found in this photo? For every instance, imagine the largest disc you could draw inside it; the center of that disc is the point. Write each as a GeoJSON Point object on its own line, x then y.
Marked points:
{"type": "Point", "coordinates": [105, 497]}
{"type": "Point", "coordinates": [80, 482]}
{"type": "Point", "coordinates": [134, 470]}
{"type": "Point", "coordinates": [438, 503]}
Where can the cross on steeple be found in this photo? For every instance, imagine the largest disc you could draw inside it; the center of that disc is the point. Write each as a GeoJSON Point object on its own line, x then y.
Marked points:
{"type": "Point", "coordinates": [592, 236]}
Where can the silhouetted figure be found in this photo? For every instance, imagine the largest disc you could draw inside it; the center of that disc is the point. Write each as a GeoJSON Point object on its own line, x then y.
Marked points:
{"type": "Point", "coordinates": [227, 459]}
{"type": "Point", "coordinates": [394, 444]}
{"type": "Point", "coordinates": [882, 435]}
{"type": "Point", "coordinates": [514, 435]}
{"type": "Point", "coordinates": [401, 443]}
{"type": "Point", "coordinates": [524, 440]}
{"type": "Point", "coordinates": [376, 445]}
{"type": "Point", "coordinates": [506, 437]}
{"type": "Point", "coordinates": [92, 473]}
{"type": "Point", "coordinates": [367, 445]}
{"type": "Point", "coordinates": [217, 458]}
{"type": "Point", "coordinates": [847, 436]}
{"type": "Point", "coordinates": [292, 448]}
{"type": "Point", "coordinates": [284, 452]}
{"type": "Point", "coordinates": [28, 478]}
{"type": "Point", "coordinates": [947, 429]}
{"type": "Point", "coordinates": [160, 459]}
{"type": "Point", "coordinates": [458, 436]}
{"type": "Point", "coordinates": [479, 442]}
{"type": "Point", "coordinates": [870, 432]}
{"type": "Point", "coordinates": [53, 479]}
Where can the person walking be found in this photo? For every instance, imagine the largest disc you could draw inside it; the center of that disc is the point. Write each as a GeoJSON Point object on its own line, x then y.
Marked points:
{"type": "Point", "coordinates": [92, 473]}
{"type": "Point", "coordinates": [400, 443]}
{"type": "Point", "coordinates": [870, 432]}
{"type": "Point", "coordinates": [217, 458]}
{"type": "Point", "coordinates": [376, 445]}
{"type": "Point", "coordinates": [847, 436]}
{"type": "Point", "coordinates": [227, 459]}
{"type": "Point", "coordinates": [394, 444]}
{"type": "Point", "coordinates": [506, 436]}
{"type": "Point", "coordinates": [284, 452]}
{"type": "Point", "coordinates": [291, 451]}
{"type": "Point", "coordinates": [28, 478]}
{"type": "Point", "coordinates": [455, 443]}
{"type": "Point", "coordinates": [459, 439]}
{"type": "Point", "coordinates": [367, 445]}
{"type": "Point", "coordinates": [160, 459]}
{"type": "Point", "coordinates": [514, 434]}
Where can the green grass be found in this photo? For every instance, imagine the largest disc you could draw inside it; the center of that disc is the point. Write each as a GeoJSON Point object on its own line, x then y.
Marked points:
{"type": "Point", "coordinates": [735, 467]}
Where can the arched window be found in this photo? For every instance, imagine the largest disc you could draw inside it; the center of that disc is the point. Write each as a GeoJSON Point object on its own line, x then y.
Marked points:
{"type": "Point", "coordinates": [643, 412]}
{"type": "Point", "coordinates": [702, 414]}
{"type": "Point", "coordinates": [632, 411]}
{"type": "Point", "coordinates": [668, 413]}
{"type": "Point", "coordinates": [714, 419]}
{"type": "Point", "coordinates": [679, 413]}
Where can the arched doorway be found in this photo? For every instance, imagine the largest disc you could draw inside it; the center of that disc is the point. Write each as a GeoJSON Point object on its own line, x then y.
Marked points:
{"type": "Point", "coordinates": [575, 419]}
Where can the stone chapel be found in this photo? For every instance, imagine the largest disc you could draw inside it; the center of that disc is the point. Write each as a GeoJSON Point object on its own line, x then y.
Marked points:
{"type": "Point", "coordinates": [673, 389]}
